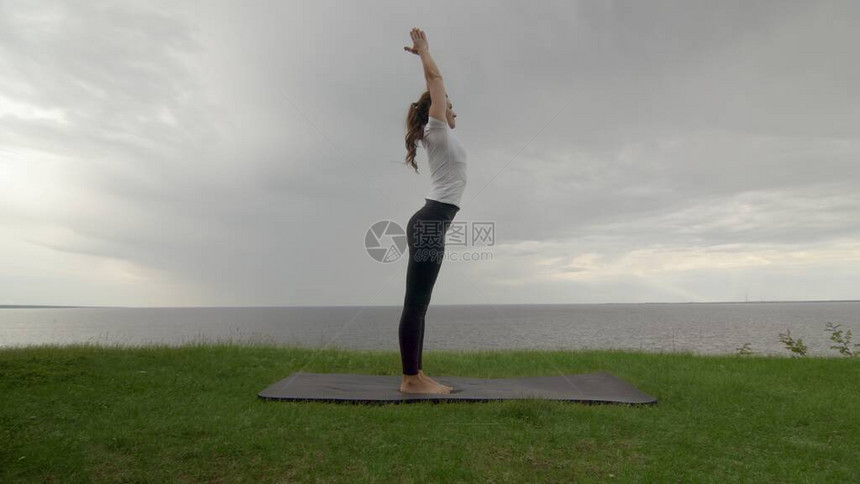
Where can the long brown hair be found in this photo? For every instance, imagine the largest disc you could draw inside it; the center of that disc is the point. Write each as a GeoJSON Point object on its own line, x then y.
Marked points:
{"type": "Point", "coordinates": [416, 118]}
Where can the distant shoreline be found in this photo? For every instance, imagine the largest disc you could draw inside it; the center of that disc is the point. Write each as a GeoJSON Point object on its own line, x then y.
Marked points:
{"type": "Point", "coordinates": [23, 306]}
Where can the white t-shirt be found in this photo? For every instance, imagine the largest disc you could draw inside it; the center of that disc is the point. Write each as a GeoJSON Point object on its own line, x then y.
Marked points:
{"type": "Point", "coordinates": [447, 160]}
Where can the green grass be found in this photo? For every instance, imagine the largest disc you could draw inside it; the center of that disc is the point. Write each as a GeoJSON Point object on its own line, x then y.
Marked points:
{"type": "Point", "coordinates": [90, 413]}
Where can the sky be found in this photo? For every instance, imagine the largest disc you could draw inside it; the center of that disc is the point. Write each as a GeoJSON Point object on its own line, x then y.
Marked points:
{"type": "Point", "coordinates": [187, 154]}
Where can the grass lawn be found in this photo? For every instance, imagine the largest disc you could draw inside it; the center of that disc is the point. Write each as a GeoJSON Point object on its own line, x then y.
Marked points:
{"type": "Point", "coordinates": [90, 413]}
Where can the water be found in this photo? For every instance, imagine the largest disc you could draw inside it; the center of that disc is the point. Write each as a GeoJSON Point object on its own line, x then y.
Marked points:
{"type": "Point", "coordinates": [702, 328]}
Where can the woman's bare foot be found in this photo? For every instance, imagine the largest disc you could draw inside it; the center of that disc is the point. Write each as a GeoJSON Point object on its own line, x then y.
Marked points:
{"type": "Point", "coordinates": [416, 384]}
{"type": "Point", "coordinates": [427, 378]}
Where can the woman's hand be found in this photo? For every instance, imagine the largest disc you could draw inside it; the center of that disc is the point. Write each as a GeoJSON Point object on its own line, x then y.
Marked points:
{"type": "Point", "coordinates": [419, 41]}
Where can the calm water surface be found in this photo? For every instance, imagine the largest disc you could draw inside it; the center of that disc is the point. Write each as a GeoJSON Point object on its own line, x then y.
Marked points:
{"type": "Point", "coordinates": [704, 328]}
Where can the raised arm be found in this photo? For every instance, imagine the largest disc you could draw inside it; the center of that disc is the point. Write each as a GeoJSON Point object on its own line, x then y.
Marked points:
{"type": "Point", "coordinates": [435, 84]}
{"type": "Point", "coordinates": [421, 48]}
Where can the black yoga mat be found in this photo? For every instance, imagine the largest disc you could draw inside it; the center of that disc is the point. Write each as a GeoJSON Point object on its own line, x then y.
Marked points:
{"type": "Point", "coordinates": [601, 387]}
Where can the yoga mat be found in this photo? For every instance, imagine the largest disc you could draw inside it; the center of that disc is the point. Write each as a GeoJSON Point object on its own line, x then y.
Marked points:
{"type": "Point", "coordinates": [601, 387]}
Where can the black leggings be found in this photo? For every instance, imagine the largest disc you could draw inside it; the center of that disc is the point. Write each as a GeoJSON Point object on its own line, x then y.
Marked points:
{"type": "Point", "coordinates": [425, 234]}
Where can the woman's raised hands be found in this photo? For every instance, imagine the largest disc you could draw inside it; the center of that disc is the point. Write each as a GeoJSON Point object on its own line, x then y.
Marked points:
{"type": "Point", "coordinates": [419, 41]}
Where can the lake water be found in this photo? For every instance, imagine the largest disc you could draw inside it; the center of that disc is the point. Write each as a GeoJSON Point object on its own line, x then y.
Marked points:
{"type": "Point", "coordinates": [703, 328]}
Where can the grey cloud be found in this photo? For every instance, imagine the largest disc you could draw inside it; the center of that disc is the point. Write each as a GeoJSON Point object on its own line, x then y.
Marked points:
{"type": "Point", "coordinates": [244, 150]}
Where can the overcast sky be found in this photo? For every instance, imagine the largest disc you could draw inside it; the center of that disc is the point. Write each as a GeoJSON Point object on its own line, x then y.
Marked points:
{"type": "Point", "coordinates": [236, 153]}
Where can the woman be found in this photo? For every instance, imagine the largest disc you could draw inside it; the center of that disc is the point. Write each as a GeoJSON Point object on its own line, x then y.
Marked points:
{"type": "Point", "coordinates": [430, 120]}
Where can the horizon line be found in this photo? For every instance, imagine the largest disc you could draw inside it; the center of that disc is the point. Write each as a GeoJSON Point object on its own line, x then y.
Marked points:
{"type": "Point", "coordinates": [38, 306]}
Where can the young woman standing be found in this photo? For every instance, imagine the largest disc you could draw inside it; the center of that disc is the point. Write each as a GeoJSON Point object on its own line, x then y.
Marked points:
{"type": "Point", "coordinates": [430, 120]}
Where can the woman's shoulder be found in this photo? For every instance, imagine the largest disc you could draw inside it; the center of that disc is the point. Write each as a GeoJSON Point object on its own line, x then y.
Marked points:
{"type": "Point", "coordinates": [435, 124]}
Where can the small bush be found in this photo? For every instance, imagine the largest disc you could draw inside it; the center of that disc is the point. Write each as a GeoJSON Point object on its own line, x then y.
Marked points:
{"type": "Point", "coordinates": [745, 350]}
{"type": "Point", "coordinates": [796, 347]}
{"type": "Point", "coordinates": [844, 346]}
